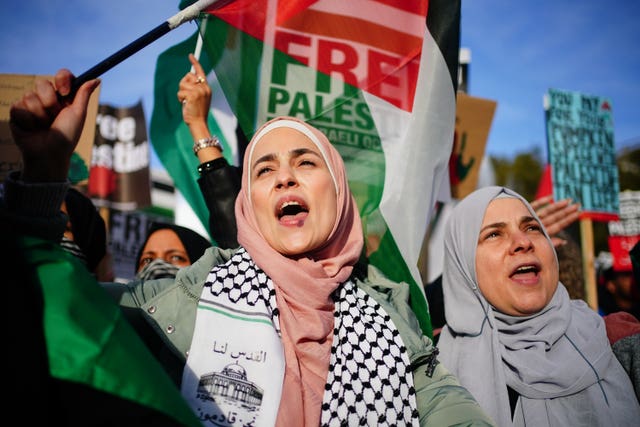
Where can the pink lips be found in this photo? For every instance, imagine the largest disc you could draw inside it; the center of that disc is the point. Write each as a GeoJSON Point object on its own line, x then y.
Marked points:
{"type": "Point", "coordinates": [294, 220]}
{"type": "Point", "coordinates": [526, 274]}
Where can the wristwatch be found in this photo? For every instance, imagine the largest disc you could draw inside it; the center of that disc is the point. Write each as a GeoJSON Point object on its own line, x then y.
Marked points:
{"type": "Point", "coordinates": [206, 142]}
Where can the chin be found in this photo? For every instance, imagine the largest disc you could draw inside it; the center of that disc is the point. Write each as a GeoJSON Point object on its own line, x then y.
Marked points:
{"type": "Point", "coordinates": [293, 250]}
{"type": "Point", "coordinates": [526, 312]}
{"type": "Point", "coordinates": [529, 309]}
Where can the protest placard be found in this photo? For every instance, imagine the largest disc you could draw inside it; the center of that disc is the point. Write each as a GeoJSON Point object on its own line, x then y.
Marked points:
{"type": "Point", "coordinates": [625, 233]}
{"type": "Point", "coordinates": [120, 176]}
{"type": "Point", "coordinates": [582, 152]}
{"type": "Point", "coordinates": [473, 122]}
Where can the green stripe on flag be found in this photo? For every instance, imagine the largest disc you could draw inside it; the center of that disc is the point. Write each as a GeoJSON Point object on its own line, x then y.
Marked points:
{"type": "Point", "coordinates": [89, 341]}
{"type": "Point", "coordinates": [169, 134]}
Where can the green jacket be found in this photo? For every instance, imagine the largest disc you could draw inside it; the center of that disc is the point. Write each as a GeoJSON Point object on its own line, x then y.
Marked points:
{"type": "Point", "coordinates": [163, 311]}
{"type": "Point", "coordinates": [169, 308]}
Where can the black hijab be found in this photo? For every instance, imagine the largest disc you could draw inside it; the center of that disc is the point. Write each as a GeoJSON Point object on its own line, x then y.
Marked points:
{"type": "Point", "coordinates": [194, 243]}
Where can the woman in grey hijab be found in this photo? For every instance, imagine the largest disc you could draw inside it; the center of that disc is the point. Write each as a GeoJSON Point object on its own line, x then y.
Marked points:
{"type": "Point", "coordinates": [527, 353]}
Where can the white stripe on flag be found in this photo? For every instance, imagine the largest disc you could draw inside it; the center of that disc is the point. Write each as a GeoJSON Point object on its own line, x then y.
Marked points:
{"type": "Point", "coordinates": [417, 161]}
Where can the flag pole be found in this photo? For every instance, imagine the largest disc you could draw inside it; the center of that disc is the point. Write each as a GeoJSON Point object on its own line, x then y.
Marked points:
{"type": "Point", "coordinates": [187, 14]}
{"type": "Point", "coordinates": [198, 50]}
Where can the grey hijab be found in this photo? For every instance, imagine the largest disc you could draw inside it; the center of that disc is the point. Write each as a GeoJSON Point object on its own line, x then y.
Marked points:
{"type": "Point", "coordinates": [558, 360]}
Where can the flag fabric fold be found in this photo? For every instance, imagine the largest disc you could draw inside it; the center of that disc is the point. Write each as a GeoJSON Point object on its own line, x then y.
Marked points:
{"type": "Point", "coordinates": [170, 136]}
{"type": "Point", "coordinates": [378, 77]}
{"type": "Point", "coordinates": [100, 371]}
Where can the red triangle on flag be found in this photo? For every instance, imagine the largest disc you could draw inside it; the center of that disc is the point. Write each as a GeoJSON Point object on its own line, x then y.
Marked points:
{"type": "Point", "coordinates": [545, 186]}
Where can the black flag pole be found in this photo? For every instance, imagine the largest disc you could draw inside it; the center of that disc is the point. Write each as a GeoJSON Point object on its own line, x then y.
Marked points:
{"type": "Point", "coordinates": [187, 14]}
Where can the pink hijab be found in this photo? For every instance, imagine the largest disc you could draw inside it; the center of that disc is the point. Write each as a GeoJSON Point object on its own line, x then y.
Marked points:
{"type": "Point", "coordinates": [304, 286]}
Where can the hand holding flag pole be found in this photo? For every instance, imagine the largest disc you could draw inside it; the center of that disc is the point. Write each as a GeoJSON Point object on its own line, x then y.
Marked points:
{"type": "Point", "coordinates": [187, 14]}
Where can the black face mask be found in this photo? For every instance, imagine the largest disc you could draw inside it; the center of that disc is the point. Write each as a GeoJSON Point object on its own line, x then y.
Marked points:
{"type": "Point", "coordinates": [157, 269]}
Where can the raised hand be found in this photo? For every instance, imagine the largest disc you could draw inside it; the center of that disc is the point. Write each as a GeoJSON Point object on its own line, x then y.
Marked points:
{"type": "Point", "coordinates": [556, 216]}
{"type": "Point", "coordinates": [46, 127]}
{"type": "Point", "coordinates": [195, 94]}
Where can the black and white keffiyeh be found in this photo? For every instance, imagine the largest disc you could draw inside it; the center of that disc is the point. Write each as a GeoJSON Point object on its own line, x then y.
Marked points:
{"type": "Point", "coordinates": [235, 366]}
{"type": "Point", "coordinates": [369, 380]}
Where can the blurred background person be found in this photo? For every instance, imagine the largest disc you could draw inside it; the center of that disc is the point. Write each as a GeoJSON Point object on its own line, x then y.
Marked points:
{"type": "Point", "coordinates": [618, 291]}
{"type": "Point", "coordinates": [85, 235]}
{"type": "Point", "coordinates": [167, 248]}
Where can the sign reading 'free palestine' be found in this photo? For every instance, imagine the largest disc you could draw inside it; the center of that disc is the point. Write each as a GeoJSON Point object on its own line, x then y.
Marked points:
{"type": "Point", "coordinates": [582, 152]}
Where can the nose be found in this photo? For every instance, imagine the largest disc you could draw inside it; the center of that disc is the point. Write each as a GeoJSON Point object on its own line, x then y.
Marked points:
{"type": "Point", "coordinates": [521, 242]}
{"type": "Point", "coordinates": [285, 178]}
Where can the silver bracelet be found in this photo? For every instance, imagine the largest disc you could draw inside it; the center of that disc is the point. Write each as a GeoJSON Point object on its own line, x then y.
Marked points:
{"type": "Point", "coordinates": [206, 142]}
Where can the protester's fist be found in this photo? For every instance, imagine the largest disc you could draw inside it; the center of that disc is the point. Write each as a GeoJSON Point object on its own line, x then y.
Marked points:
{"type": "Point", "coordinates": [46, 124]}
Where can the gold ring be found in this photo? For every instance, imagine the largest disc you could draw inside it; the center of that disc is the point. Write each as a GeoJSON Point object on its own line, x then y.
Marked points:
{"type": "Point", "coordinates": [200, 79]}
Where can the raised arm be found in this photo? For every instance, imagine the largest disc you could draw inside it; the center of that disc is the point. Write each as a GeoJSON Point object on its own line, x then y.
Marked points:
{"type": "Point", "coordinates": [195, 95]}
{"type": "Point", "coordinates": [46, 128]}
{"type": "Point", "coordinates": [219, 181]}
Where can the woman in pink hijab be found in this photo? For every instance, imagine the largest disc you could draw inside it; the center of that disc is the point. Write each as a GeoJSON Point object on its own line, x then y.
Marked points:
{"type": "Point", "coordinates": [323, 350]}
{"type": "Point", "coordinates": [282, 330]}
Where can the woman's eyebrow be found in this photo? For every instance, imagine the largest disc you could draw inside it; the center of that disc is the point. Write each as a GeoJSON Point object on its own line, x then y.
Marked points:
{"type": "Point", "coordinates": [526, 219]}
{"type": "Point", "coordinates": [493, 225]}
{"type": "Point", "coordinates": [265, 158]}
{"type": "Point", "coordinates": [174, 250]}
{"type": "Point", "coordinates": [296, 152]}
{"type": "Point", "coordinates": [300, 151]}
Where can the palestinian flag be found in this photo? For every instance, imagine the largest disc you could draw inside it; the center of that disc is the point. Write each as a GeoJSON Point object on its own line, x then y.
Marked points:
{"type": "Point", "coordinates": [79, 362]}
{"type": "Point", "coordinates": [377, 76]}
{"type": "Point", "coordinates": [170, 137]}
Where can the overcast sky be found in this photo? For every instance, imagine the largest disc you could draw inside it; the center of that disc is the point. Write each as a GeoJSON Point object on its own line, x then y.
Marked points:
{"type": "Point", "coordinates": [518, 51]}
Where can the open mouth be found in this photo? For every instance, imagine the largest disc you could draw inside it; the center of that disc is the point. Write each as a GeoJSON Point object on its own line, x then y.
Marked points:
{"type": "Point", "coordinates": [529, 269]}
{"type": "Point", "coordinates": [291, 208]}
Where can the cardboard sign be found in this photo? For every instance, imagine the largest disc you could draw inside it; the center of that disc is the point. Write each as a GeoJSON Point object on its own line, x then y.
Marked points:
{"type": "Point", "coordinates": [582, 152]}
{"type": "Point", "coordinates": [12, 87]}
{"type": "Point", "coordinates": [473, 122]}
